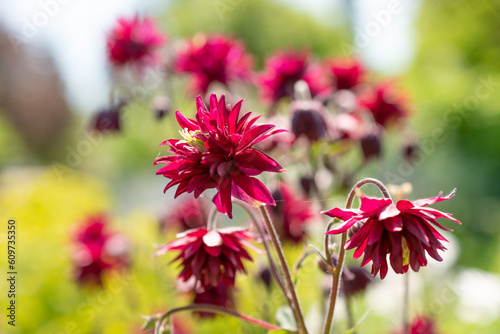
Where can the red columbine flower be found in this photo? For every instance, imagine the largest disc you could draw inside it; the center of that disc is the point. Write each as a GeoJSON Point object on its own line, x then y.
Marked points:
{"type": "Point", "coordinates": [214, 58]}
{"type": "Point", "coordinates": [283, 70]}
{"type": "Point", "coordinates": [98, 251]}
{"type": "Point", "coordinates": [217, 153]}
{"type": "Point", "coordinates": [291, 214]}
{"type": "Point", "coordinates": [385, 106]}
{"type": "Point", "coordinates": [404, 231]}
{"type": "Point", "coordinates": [345, 73]}
{"type": "Point", "coordinates": [221, 295]}
{"type": "Point", "coordinates": [212, 256]}
{"type": "Point", "coordinates": [133, 41]}
{"type": "Point", "coordinates": [421, 325]}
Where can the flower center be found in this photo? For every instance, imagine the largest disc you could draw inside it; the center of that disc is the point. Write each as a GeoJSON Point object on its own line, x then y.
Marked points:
{"type": "Point", "coordinates": [192, 139]}
{"type": "Point", "coordinates": [406, 251]}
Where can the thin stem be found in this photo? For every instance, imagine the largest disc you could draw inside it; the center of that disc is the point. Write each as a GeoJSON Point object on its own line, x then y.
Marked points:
{"type": "Point", "coordinates": [406, 324]}
{"type": "Point", "coordinates": [221, 310]}
{"type": "Point", "coordinates": [211, 222]}
{"type": "Point", "coordinates": [286, 271]}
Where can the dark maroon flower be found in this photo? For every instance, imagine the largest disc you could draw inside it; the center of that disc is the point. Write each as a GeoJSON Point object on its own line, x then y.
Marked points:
{"type": "Point", "coordinates": [214, 58]}
{"type": "Point", "coordinates": [291, 214]}
{"type": "Point", "coordinates": [345, 73]}
{"type": "Point", "coordinates": [308, 120]}
{"type": "Point", "coordinates": [97, 251]}
{"type": "Point", "coordinates": [220, 295]}
{"type": "Point", "coordinates": [105, 121]}
{"type": "Point", "coordinates": [421, 325]}
{"type": "Point", "coordinates": [212, 256]}
{"type": "Point", "coordinates": [385, 106]}
{"type": "Point", "coordinates": [404, 231]}
{"type": "Point", "coordinates": [371, 146]}
{"type": "Point", "coordinates": [217, 153]}
{"type": "Point", "coordinates": [133, 41]}
{"type": "Point", "coordinates": [283, 70]}
{"type": "Point", "coordinates": [355, 280]}
{"type": "Point", "coordinates": [185, 214]}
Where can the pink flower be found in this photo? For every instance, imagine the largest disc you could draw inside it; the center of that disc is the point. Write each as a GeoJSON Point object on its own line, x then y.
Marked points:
{"type": "Point", "coordinates": [217, 153]}
{"type": "Point", "coordinates": [421, 325]}
{"type": "Point", "coordinates": [283, 70]}
{"type": "Point", "coordinates": [404, 231]}
{"type": "Point", "coordinates": [133, 41]}
{"type": "Point", "coordinates": [212, 256]}
{"type": "Point", "coordinates": [185, 214]}
{"type": "Point", "coordinates": [214, 58]}
{"type": "Point", "coordinates": [291, 214]}
{"type": "Point", "coordinates": [345, 73]}
{"type": "Point", "coordinates": [98, 251]}
{"type": "Point", "coordinates": [385, 106]}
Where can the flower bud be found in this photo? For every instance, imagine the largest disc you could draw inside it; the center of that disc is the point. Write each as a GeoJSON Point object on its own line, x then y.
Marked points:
{"type": "Point", "coordinates": [371, 146]}
{"type": "Point", "coordinates": [308, 120]}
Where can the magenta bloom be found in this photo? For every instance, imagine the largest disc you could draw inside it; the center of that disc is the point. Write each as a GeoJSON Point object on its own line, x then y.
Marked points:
{"type": "Point", "coordinates": [283, 70]}
{"type": "Point", "coordinates": [217, 153]}
{"type": "Point", "coordinates": [385, 106]}
{"type": "Point", "coordinates": [421, 325]}
{"type": "Point", "coordinates": [291, 214]}
{"type": "Point", "coordinates": [98, 251]}
{"type": "Point", "coordinates": [404, 231]}
{"type": "Point", "coordinates": [185, 214]}
{"type": "Point", "coordinates": [214, 58]}
{"type": "Point", "coordinates": [211, 257]}
{"type": "Point", "coordinates": [345, 73]}
{"type": "Point", "coordinates": [133, 41]}
{"type": "Point", "coordinates": [221, 295]}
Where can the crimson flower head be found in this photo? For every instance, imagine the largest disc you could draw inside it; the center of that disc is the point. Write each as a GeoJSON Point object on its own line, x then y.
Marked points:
{"type": "Point", "coordinates": [133, 41]}
{"type": "Point", "coordinates": [345, 73]}
{"type": "Point", "coordinates": [221, 295]}
{"type": "Point", "coordinates": [217, 152]}
{"type": "Point", "coordinates": [421, 325]}
{"type": "Point", "coordinates": [214, 58]}
{"type": "Point", "coordinates": [212, 256]}
{"type": "Point", "coordinates": [283, 70]}
{"type": "Point", "coordinates": [385, 105]}
{"type": "Point", "coordinates": [403, 230]}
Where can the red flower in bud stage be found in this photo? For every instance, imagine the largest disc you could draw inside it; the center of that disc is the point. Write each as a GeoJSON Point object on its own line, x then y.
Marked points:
{"type": "Point", "coordinates": [283, 70]}
{"type": "Point", "coordinates": [345, 73]}
{"type": "Point", "coordinates": [291, 214]}
{"type": "Point", "coordinates": [404, 231]}
{"type": "Point", "coordinates": [421, 325]}
{"type": "Point", "coordinates": [133, 41]}
{"type": "Point", "coordinates": [221, 295]}
{"type": "Point", "coordinates": [385, 106]}
{"type": "Point", "coordinates": [186, 214]}
{"type": "Point", "coordinates": [217, 153]}
{"type": "Point", "coordinates": [214, 58]}
{"type": "Point", "coordinates": [212, 257]}
{"type": "Point", "coordinates": [98, 251]}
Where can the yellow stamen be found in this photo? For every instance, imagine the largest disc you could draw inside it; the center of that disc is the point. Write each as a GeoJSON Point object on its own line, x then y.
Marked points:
{"type": "Point", "coordinates": [191, 139]}
{"type": "Point", "coordinates": [406, 251]}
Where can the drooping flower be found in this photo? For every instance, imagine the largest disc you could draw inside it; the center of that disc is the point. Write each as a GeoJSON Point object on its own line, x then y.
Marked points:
{"type": "Point", "coordinates": [291, 214]}
{"type": "Point", "coordinates": [421, 325]}
{"type": "Point", "coordinates": [185, 214]}
{"type": "Point", "coordinates": [283, 70]}
{"type": "Point", "coordinates": [220, 295]}
{"type": "Point", "coordinates": [403, 230]}
{"type": "Point", "coordinates": [108, 120]}
{"type": "Point", "coordinates": [385, 104]}
{"type": "Point", "coordinates": [212, 256]}
{"type": "Point", "coordinates": [97, 251]}
{"type": "Point", "coordinates": [217, 153]}
{"type": "Point", "coordinates": [355, 280]}
{"type": "Point", "coordinates": [345, 73]}
{"type": "Point", "coordinates": [308, 120]}
{"type": "Point", "coordinates": [215, 58]}
{"type": "Point", "coordinates": [133, 41]}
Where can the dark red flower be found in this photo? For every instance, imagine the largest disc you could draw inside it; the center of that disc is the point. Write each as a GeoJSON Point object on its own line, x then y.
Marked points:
{"type": "Point", "coordinates": [404, 231]}
{"type": "Point", "coordinates": [214, 58]}
{"type": "Point", "coordinates": [221, 295]}
{"type": "Point", "coordinates": [385, 105]}
{"type": "Point", "coordinates": [217, 153]}
{"type": "Point", "coordinates": [97, 251]}
{"type": "Point", "coordinates": [283, 70]}
{"type": "Point", "coordinates": [185, 214]}
{"type": "Point", "coordinates": [212, 256]}
{"type": "Point", "coordinates": [345, 72]}
{"type": "Point", "coordinates": [421, 325]}
{"type": "Point", "coordinates": [133, 41]}
{"type": "Point", "coordinates": [308, 120]}
{"type": "Point", "coordinates": [291, 214]}
{"type": "Point", "coordinates": [355, 280]}
{"type": "Point", "coordinates": [108, 119]}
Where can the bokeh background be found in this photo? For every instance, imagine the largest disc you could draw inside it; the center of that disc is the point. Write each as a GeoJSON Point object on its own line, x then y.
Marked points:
{"type": "Point", "coordinates": [53, 76]}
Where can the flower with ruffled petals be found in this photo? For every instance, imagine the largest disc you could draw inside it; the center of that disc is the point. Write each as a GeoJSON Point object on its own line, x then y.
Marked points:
{"type": "Point", "coordinates": [221, 295]}
{"type": "Point", "coordinates": [133, 41]}
{"type": "Point", "coordinates": [217, 152]}
{"type": "Point", "coordinates": [283, 70]}
{"type": "Point", "coordinates": [385, 105]}
{"type": "Point", "coordinates": [403, 230]}
{"type": "Point", "coordinates": [97, 251]}
{"type": "Point", "coordinates": [214, 58]}
{"type": "Point", "coordinates": [291, 214]}
{"type": "Point", "coordinates": [212, 256]}
{"type": "Point", "coordinates": [345, 73]}
{"type": "Point", "coordinates": [421, 325]}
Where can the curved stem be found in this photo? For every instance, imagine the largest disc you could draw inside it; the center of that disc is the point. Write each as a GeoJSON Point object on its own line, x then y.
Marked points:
{"type": "Point", "coordinates": [286, 271]}
{"type": "Point", "coordinates": [211, 222]}
{"type": "Point", "coordinates": [221, 310]}
{"type": "Point", "coordinates": [338, 269]}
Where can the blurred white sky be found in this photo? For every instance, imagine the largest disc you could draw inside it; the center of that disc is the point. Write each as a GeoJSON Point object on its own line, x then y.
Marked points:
{"type": "Point", "coordinates": [73, 32]}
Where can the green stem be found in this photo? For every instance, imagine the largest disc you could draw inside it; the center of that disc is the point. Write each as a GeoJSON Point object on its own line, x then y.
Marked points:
{"type": "Point", "coordinates": [285, 270]}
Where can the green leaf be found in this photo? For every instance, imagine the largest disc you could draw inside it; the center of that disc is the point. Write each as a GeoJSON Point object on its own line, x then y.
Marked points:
{"type": "Point", "coordinates": [149, 323]}
{"type": "Point", "coordinates": [351, 330]}
{"type": "Point", "coordinates": [284, 318]}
